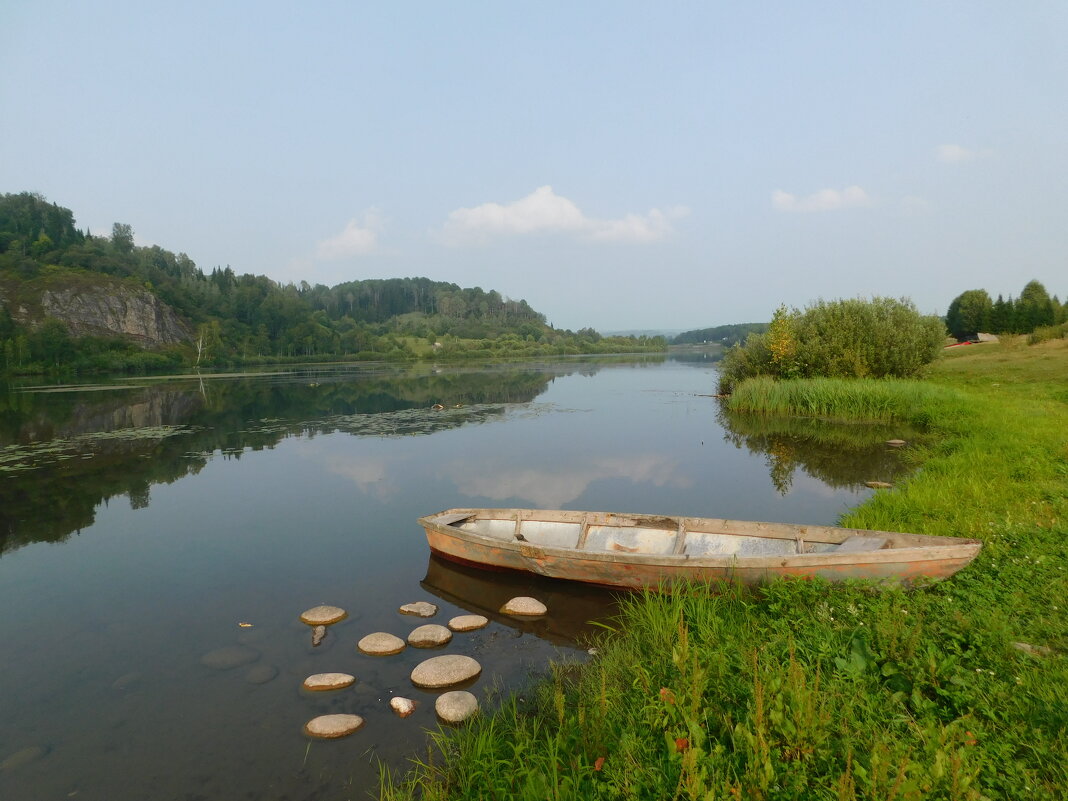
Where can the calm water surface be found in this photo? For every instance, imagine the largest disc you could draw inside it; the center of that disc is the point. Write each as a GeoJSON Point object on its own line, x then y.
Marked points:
{"type": "Point", "coordinates": [142, 521]}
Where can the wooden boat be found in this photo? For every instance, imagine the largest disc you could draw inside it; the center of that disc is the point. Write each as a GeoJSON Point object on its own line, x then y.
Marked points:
{"type": "Point", "coordinates": [634, 551]}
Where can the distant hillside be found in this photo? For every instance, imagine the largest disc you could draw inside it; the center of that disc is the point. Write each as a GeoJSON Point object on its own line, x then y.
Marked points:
{"type": "Point", "coordinates": [95, 303]}
{"type": "Point", "coordinates": [725, 335]}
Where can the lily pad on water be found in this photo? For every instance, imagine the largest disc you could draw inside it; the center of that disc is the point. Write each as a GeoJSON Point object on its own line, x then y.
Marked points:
{"type": "Point", "coordinates": [34, 455]}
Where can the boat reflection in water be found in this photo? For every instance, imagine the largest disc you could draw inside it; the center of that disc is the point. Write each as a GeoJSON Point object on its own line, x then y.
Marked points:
{"type": "Point", "coordinates": [573, 607]}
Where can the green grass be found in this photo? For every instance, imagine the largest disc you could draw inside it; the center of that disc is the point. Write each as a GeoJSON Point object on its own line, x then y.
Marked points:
{"type": "Point", "coordinates": [806, 690]}
{"type": "Point", "coordinates": [844, 399]}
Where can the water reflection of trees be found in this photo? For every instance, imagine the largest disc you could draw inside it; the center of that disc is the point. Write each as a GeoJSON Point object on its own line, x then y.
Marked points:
{"type": "Point", "coordinates": [838, 454]}
{"type": "Point", "coordinates": [170, 429]}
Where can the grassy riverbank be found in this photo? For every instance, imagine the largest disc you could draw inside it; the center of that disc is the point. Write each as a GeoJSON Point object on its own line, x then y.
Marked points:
{"type": "Point", "coordinates": [804, 690]}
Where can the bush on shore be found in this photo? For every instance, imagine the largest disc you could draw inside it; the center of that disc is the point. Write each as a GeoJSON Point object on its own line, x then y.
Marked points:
{"type": "Point", "coordinates": [853, 338]}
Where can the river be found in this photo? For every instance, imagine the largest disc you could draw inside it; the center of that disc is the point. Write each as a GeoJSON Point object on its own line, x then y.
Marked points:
{"type": "Point", "coordinates": [147, 522]}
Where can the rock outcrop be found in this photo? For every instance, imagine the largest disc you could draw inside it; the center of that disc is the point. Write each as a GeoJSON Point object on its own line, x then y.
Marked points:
{"type": "Point", "coordinates": [115, 309]}
{"type": "Point", "coordinates": [96, 305]}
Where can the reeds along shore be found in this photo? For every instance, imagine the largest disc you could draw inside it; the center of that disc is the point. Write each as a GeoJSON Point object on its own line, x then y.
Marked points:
{"type": "Point", "coordinates": [809, 691]}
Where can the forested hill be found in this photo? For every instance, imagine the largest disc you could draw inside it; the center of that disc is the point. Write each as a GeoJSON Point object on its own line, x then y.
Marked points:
{"type": "Point", "coordinates": [725, 335]}
{"type": "Point", "coordinates": [50, 272]}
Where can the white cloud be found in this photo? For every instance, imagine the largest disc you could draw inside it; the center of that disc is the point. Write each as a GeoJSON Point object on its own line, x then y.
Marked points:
{"type": "Point", "coordinates": [544, 211]}
{"type": "Point", "coordinates": [824, 200]}
{"type": "Point", "coordinates": [955, 154]}
{"type": "Point", "coordinates": [358, 238]}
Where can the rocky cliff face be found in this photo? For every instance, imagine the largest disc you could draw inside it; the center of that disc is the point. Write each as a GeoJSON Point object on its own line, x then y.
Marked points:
{"type": "Point", "coordinates": [107, 308]}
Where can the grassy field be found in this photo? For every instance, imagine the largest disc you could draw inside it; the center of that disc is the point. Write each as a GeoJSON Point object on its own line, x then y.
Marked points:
{"type": "Point", "coordinates": [804, 690]}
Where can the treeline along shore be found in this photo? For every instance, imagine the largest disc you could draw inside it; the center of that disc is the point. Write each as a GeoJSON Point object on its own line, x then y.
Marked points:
{"type": "Point", "coordinates": [74, 301]}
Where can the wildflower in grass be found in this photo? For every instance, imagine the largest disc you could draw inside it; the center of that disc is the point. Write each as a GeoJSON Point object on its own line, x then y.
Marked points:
{"type": "Point", "coordinates": [598, 763]}
{"type": "Point", "coordinates": [667, 695]}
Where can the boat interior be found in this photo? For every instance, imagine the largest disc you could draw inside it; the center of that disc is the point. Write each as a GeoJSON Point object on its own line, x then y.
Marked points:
{"type": "Point", "coordinates": [623, 534]}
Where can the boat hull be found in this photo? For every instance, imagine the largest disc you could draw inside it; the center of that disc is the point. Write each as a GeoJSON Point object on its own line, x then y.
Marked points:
{"type": "Point", "coordinates": [939, 559]}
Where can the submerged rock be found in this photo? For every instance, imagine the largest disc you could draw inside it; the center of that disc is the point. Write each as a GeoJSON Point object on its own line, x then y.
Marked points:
{"type": "Point", "coordinates": [126, 681]}
{"type": "Point", "coordinates": [317, 635]}
{"type": "Point", "coordinates": [332, 726]}
{"type": "Point", "coordinates": [381, 643]}
{"type": "Point", "coordinates": [429, 636]}
{"type": "Point", "coordinates": [524, 606]}
{"type": "Point", "coordinates": [444, 671]}
{"type": "Point", "coordinates": [328, 681]}
{"type": "Point", "coordinates": [456, 706]}
{"type": "Point", "coordinates": [878, 484]}
{"type": "Point", "coordinates": [229, 657]}
{"type": "Point", "coordinates": [420, 609]}
{"type": "Point", "coordinates": [402, 706]}
{"type": "Point", "coordinates": [261, 674]}
{"type": "Point", "coordinates": [323, 615]}
{"type": "Point", "coordinates": [468, 622]}
{"type": "Point", "coordinates": [23, 757]}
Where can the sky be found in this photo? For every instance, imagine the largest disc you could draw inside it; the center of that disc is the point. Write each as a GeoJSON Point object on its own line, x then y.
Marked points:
{"type": "Point", "coordinates": [618, 165]}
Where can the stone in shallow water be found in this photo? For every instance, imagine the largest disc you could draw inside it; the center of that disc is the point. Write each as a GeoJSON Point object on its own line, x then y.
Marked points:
{"type": "Point", "coordinates": [444, 671]}
{"type": "Point", "coordinates": [331, 726]}
{"type": "Point", "coordinates": [381, 643]}
{"type": "Point", "coordinates": [524, 606]}
{"type": "Point", "coordinates": [468, 622]}
{"type": "Point", "coordinates": [895, 443]}
{"type": "Point", "coordinates": [229, 657]}
{"type": "Point", "coordinates": [402, 706]}
{"type": "Point", "coordinates": [878, 484]}
{"type": "Point", "coordinates": [317, 635]}
{"type": "Point", "coordinates": [323, 615]}
{"type": "Point", "coordinates": [261, 674]}
{"type": "Point", "coordinates": [420, 609]}
{"type": "Point", "coordinates": [23, 757]}
{"type": "Point", "coordinates": [456, 707]}
{"type": "Point", "coordinates": [329, 681]}
{"type": "Point", "coordinates": [429, 636]}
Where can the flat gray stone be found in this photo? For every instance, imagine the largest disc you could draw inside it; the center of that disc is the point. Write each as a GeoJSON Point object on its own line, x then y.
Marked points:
{"type": "Point", "coordinates": [381, 643]}
{"type": "Point", "coordinates": [456, 706]}
{"type": "Point", "coordinates": [329, 681]}
{"type": "Point", "coordinates": [332, 726]}
{"type": "Point", "coordinates": [323, 615]}
{"type": "Point", "coordinates": [468, 622]}
{"type": "Point", "coordinates": [429, 636]}
{"type": "Point", "coordinates": [895, 443]}
{"type": "Point", "coordinates": [403, 707]}
{"type": "Point", "coordinates": [23, 757]}
{"type": "Point", "coordinates": [229, 657]}
{"type": "Point", "coordinates": [419, 609]}
{"type": "Point", "coordinates": [524, 606]}
{"type": "Point", "coordinates": [261, 674]}
{"type": "Point", "coordinates": [444, 671]}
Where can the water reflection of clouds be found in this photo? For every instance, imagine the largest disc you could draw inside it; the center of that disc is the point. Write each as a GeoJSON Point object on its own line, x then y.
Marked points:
{"type": "Point", "coordinates": [369, 474]}
{"type": "Point", "coordinates": [553, 487]}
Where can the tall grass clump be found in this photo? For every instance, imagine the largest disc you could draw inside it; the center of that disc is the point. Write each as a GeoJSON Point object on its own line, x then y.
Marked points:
{"type": "Point", "coordinates": [885, 400]}
{"type": "Point", "coordinates": [1048, 332]}
{"type": "Point", "coordinates": [853, 338]}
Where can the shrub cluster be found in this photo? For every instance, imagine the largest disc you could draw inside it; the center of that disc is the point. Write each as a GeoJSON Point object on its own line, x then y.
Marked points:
{"type": "Point", "coordinates": [855, 338]}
